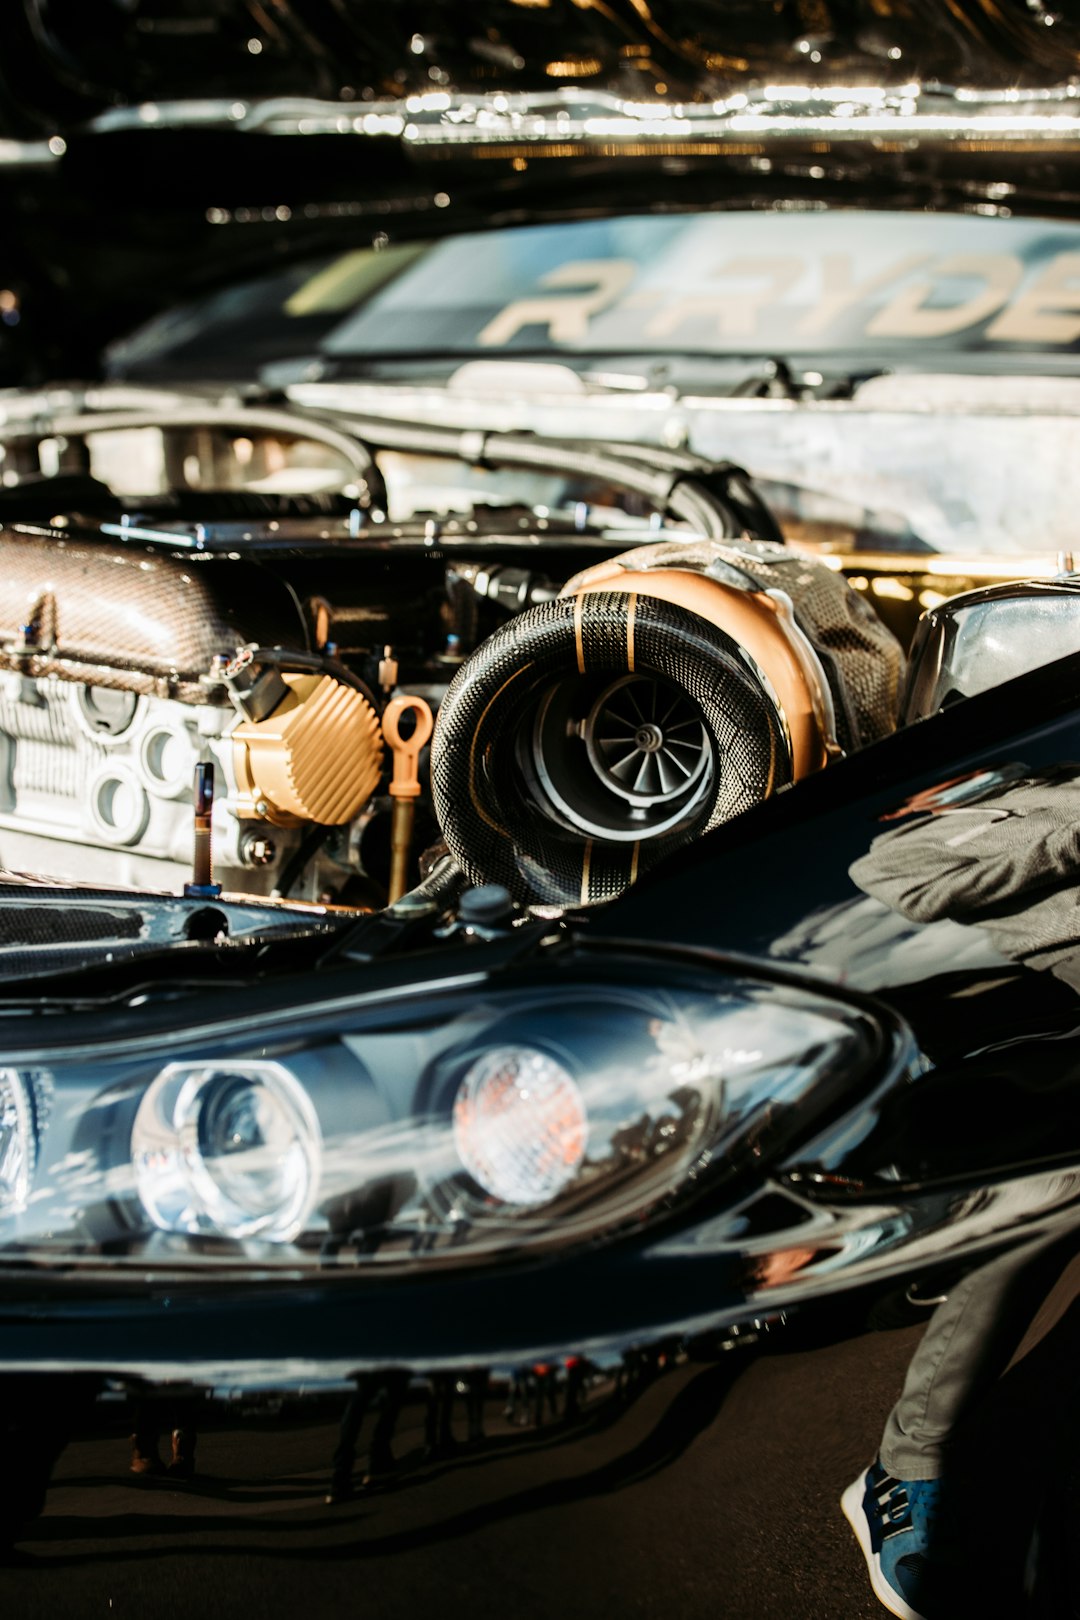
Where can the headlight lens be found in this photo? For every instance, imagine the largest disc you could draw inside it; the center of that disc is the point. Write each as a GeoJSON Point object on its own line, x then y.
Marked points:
{"type": "Point", "coordinates": [17, 1140]}
{"type": "Point", "coordinates": [443, 1126]}
{"type": "Point", "coordinates": [229, 1150]}
{"type": "Point", "coordinates": [520, 1125]}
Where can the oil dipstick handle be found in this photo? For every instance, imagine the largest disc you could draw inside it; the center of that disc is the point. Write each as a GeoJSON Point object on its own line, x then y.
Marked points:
{"type": "Point", "coordinates": [202, 885]}
{"type": "Point", "coordinates": [405, 782]}
{"type": "Point", "coordinates": [406, 750]}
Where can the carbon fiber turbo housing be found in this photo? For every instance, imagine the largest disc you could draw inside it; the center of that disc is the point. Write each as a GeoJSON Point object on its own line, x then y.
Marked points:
{"type": "Point", "coordinates": [861, 660]}
{"type": "Point", "coordinates": [512, 743]}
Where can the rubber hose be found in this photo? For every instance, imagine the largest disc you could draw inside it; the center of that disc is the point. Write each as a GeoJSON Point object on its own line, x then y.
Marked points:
{"type": "Point", "coordinates": [681, 495]}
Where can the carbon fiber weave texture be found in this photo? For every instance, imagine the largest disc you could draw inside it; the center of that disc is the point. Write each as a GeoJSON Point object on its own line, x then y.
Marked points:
{"type": "Point", "coordinates": [125, 616]}
{"type": "Point", "coordinates": [489, 818]}
{"type": "Point", "coordinates": [863, 659]}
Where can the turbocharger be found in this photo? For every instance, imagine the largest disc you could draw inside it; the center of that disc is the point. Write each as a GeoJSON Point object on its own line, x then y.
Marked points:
{"type": "Point", "coordinates": [662, 693]}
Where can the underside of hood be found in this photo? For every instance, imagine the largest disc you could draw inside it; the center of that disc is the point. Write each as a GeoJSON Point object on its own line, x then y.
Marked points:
{"type": "Point", "coordinates": [150, 149]}
{"type": "Point", "coordinates": [67, 61]}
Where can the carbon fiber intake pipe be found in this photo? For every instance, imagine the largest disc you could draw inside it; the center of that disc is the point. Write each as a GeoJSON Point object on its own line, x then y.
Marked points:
{"type": "Point", "coordinates": [114, 616]}
{"type": "Point", "coordinates": [529, 781]}
{"type": "Point", "coordinates": [666, 691]}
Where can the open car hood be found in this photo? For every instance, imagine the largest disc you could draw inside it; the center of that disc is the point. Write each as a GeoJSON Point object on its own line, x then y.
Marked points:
{"type": "Point", "coordinates": [131, 134]}
{"type": "Point", "coordinates": [70, 61]}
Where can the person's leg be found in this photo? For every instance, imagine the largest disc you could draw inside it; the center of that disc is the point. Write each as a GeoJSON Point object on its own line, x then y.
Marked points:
{"type": "Point", "coordinates": [183, 1438]}
{"type": "Point", "coordinates": [145, 1457]}
{"type": "Point", "coordinates": [906, 1517]}
{"type": "Point", "coordinates": [476, 1385]}
{"type": "Point", "coordinates": [966, 1344]}
{"type": "Point", "coordinates": [395, 1388]}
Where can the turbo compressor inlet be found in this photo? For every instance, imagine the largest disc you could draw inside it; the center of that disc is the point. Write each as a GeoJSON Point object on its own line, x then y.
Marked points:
{"type": "Point", "coordinates": [591, 736]}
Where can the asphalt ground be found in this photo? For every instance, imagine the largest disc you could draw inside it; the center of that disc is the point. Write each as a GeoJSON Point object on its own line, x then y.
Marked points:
{"type": "Point", "coordinates": [716, 1493]}
{"type": "Point", "coordinates": [712, 1493]}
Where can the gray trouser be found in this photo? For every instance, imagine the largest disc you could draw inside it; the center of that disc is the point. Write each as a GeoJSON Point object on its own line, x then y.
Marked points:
{"type": "Point", "coordinates": [967, 1344]}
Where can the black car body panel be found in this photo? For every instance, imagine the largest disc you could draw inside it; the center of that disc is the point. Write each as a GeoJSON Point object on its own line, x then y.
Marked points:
{"type": "Point", "coordinates": [282, 1328]}
{"type": "Point", "coordinates": [676, 1414]}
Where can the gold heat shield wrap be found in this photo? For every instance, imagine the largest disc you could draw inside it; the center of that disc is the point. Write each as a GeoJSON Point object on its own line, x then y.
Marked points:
{"type": "Point", "coordinates": [834, 667]}
{"type": "Point", "coordinates": [317, 757]}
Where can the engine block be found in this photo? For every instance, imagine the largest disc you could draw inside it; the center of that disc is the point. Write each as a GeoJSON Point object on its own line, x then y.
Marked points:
{"type": "Point", "coordinates": [95, 787]}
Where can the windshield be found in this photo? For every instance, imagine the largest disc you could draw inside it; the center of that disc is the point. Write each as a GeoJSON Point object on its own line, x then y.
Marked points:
{"type": "Point", "coordinates": [862, 288]}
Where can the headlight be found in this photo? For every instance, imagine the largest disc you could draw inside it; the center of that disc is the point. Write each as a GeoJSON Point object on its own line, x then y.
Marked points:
{"type": "Point", "coordinates": [520, 1125]}
{"type": "Point", "coordinates": [232, 1151]}
{"type": "Point", "coordinates": [18, 1145]}
{"type": "Point", "coordinates": [419, 1126]}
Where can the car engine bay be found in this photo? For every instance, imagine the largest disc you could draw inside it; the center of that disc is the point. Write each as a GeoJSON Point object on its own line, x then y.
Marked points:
{"type": "Point", "coordinates": [609, 676]}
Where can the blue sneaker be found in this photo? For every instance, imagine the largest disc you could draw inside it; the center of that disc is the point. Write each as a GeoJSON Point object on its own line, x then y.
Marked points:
{"type": "Point", "coordinates": [893, 1520]}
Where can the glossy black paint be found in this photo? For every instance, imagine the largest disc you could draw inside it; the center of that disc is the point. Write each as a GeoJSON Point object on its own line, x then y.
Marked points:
{"type": "Point", "coordinates": [139, 181]}
{"type": "Point", "coordinates": [740, 1359]}
{"type": "Point", "coordinates": [700, 1475]}
{"type": "Point", "coordinates": [70, 59]}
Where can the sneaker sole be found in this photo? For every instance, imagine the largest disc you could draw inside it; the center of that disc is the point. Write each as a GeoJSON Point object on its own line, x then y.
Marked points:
{"type": "Point", "coordinates": [851, 1503]}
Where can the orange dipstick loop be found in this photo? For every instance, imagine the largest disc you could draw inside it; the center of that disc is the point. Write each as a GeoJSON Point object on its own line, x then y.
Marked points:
{"type": "Point", "coordinates": [406, 750]}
